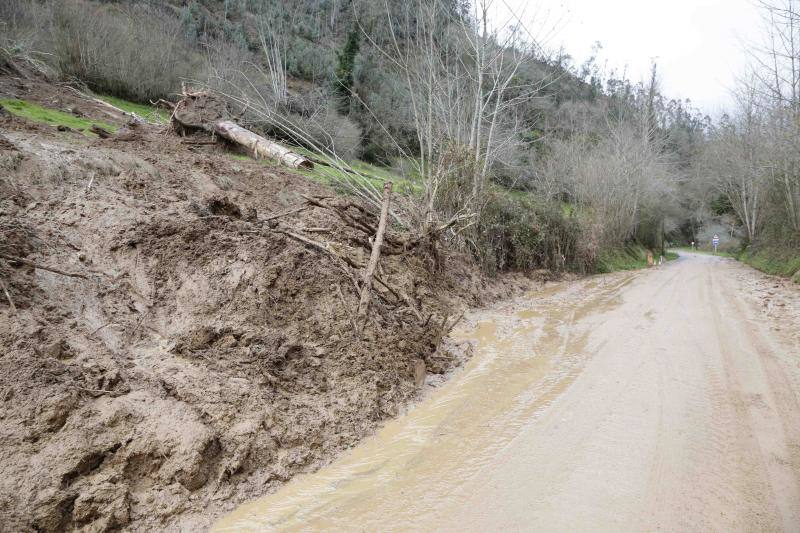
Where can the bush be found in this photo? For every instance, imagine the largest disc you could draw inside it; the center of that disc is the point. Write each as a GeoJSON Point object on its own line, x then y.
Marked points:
{"type": "Point", "coordinates": [519, 232]}
{"type": "Point", "coordinates": [21, 37]}
{"type": "Point", "coordinates": [329, 131]}
{"type": "Point", "coordinates": [134, 52]}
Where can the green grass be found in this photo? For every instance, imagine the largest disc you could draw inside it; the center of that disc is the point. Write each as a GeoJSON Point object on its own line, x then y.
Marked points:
{"type": "Point", "coordinates": [371, 174]}
{"type": "Point", "coordinates": [335, 177]}
{"type": "Point", "coordinates": [629, 257]}
{"type": "Point", "coordinates": [783, 262]}
{"type": "Point", "coordinates": [147, 112]}
{"type": "Point", "coordinates": [44, 115]}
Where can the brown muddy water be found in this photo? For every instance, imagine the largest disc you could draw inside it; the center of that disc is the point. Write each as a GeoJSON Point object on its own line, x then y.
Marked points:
{"type": "Point", "coordinates": [525, 356]}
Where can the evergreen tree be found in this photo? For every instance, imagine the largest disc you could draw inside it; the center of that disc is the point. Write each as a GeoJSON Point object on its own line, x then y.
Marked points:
{"type": "Point", "coordinates": [343, 82]}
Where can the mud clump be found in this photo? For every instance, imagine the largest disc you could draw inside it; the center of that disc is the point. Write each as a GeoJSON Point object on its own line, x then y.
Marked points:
{"type": "Point", "coordinates": [199, 111]}
{"type": "Point", "coordinates": [202, 360]}
{"type": "Point", "coordinates": [17, 240]}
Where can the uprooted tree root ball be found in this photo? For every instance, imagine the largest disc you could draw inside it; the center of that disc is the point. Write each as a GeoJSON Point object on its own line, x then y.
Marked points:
{"type": "Point", "coordinates": [207, 354]}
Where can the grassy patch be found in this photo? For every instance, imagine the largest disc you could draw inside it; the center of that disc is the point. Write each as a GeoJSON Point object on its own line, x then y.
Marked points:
{"type": "Point", "coordinates": [147, 112]}
{"type": "Point", "coordinates": [779, 262]}
{"type": "Point", "coordinates": [368, 174]}
{"type": "Point", "coordinates": [629, 257]}
{"type": "Point", "coordinates": [335, 177]}
{"type": "Point", "coordinates": [784, 261]}
{"type": "Point", "coordinates": [44, 115]}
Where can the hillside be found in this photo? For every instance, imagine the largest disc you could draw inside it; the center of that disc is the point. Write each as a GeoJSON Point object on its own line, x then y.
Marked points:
{"type": "Point", "coordinates": [193, 356]}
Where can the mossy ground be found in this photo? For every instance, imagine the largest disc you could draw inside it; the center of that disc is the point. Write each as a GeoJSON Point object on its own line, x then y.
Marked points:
{"type": "Point", "coordinates": [44, 115]}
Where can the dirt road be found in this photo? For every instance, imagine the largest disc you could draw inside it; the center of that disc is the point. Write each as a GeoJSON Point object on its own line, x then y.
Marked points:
{"type": "Point", "coordinates": [665, 399]}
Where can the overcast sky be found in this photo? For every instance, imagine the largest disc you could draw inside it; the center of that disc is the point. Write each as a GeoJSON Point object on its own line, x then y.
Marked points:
{"type": "Point", "coordinates": [696, 43]}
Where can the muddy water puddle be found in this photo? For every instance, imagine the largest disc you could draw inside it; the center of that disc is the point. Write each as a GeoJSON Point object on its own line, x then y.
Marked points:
{"type": "Point", "coordinates": [525, 357]}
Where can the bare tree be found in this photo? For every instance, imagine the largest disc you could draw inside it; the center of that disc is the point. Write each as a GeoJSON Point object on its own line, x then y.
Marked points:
{"type": "Point", "coordinates": [459, 73]}
{"type": "Point", "coordinates": [736, 163]}
{"type": "Point", "coordinates": [775, 86]}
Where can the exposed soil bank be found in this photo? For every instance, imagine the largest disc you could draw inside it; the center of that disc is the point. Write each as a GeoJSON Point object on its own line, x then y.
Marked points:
{"type": "Point", "coordinates": [201, 361]}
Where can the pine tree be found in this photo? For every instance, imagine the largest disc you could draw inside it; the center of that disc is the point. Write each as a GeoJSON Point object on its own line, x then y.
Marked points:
{"type": "Point", "coordinates": [343, 83]}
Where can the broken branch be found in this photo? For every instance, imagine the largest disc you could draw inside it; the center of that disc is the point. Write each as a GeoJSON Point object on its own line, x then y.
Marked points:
{"type": "Point", "coordinates": [8, 297]}
{"type": "Point", "coordinates": [100, 132]}
{"type": "Point", "coordinates": [366, 286]}
{"type": "Point", "coordinates": [285, 213]}
{"type": "Point", "coordinates": [42, 267]}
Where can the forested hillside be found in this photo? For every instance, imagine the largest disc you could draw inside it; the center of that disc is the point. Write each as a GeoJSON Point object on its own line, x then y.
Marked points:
{"type": "Point", "coordinates": [529, 160]}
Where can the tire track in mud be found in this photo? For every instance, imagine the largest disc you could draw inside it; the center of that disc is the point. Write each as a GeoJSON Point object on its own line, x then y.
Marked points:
{"type": "Point", "coordinates": [757, 387]}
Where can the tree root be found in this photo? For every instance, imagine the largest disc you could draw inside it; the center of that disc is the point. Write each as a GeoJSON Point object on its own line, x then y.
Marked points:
{"type": "Point", "coordinates": [43, 267]}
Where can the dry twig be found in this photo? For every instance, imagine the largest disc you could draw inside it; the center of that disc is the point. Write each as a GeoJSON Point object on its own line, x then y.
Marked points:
{"type": "Point", "coordinates": [285, 213]}
{"type": "Point", "coordinates": [366, 286]}
{"type": "Point", "coordinates": [42, 267]}
{"type": "Point", "coordinates": [8, 297]}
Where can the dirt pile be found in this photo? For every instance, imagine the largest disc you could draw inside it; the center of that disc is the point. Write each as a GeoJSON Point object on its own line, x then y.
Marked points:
{"type": "Point", "coordinates": [205, 358]}
{"type": "Point", "coordinates": [199, 111]}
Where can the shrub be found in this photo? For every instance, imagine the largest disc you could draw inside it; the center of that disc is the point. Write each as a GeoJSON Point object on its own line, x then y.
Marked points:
{"type": "Point", "coordinates": [131, 51]}
{"type": "Point", "coordinates": [329, 131]}
{"type": "Point", "coordinates": [519, 232]}
{"type": "Point", "coordinates": [21, 36]}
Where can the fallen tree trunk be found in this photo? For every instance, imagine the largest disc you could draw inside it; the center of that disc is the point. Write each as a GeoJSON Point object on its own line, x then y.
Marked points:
{"type": "Point", "coordinates": [202, 111]}
{"type": "Point", "coordinates": [260, 146]}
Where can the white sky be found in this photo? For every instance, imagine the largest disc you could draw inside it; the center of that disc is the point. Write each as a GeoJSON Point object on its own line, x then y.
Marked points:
{"type": "Point", "coordinates": [698, 44]}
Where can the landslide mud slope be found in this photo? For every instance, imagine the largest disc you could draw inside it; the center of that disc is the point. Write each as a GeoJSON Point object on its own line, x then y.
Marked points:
{"type": "Point", "coordinates": [659, 400]}
{"type": "Point", "coordinates": [201, 361]}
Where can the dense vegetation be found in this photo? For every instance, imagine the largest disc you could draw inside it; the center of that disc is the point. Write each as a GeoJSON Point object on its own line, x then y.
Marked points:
{"type": "Point", "coordinates": [751, 159]}
{"type": "Point", "coordinates": [516, 154]}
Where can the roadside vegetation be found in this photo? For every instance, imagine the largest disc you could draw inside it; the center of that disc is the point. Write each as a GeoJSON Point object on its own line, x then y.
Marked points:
{"type": "Point", "coordinates": [630, 257]}
{"type": "Point", "coordinates": [774, 261]}
{"type": "Point", "coordinates": [769, 259]}
{"type": "Point", "coordinates": [750, 164]}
